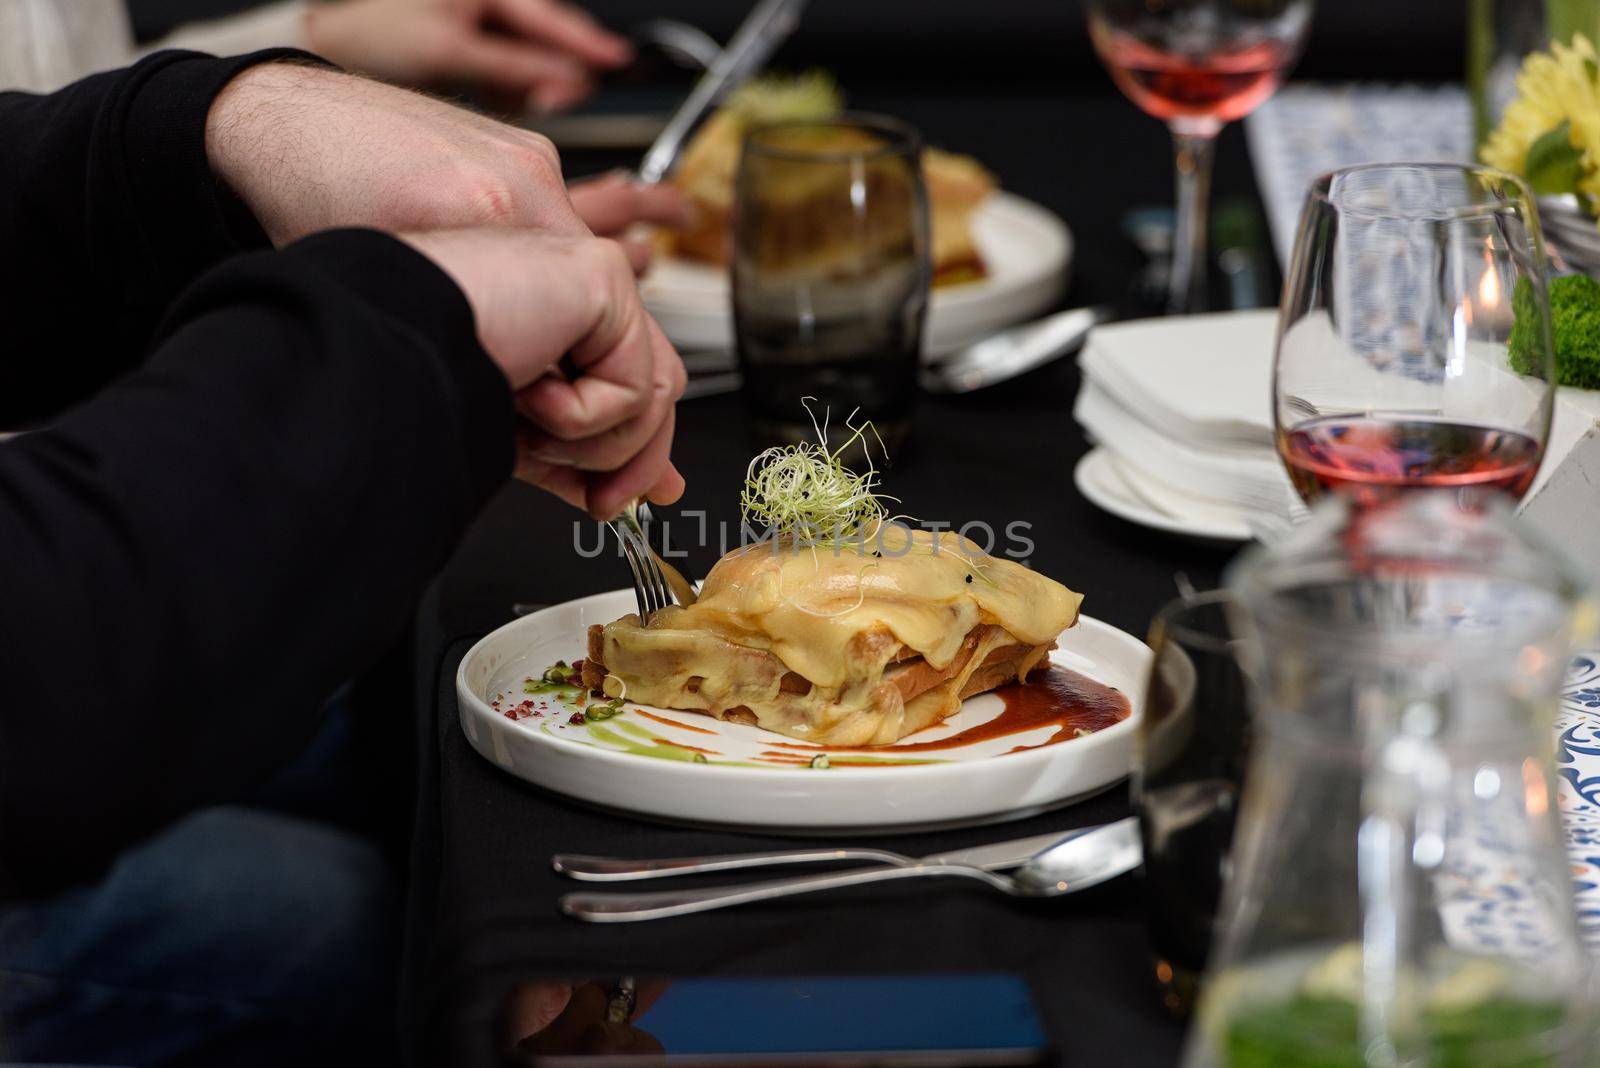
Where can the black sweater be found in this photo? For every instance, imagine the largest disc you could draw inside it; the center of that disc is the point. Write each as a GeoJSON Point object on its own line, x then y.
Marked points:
{"type": "Point", "coordinates": [247, 465]}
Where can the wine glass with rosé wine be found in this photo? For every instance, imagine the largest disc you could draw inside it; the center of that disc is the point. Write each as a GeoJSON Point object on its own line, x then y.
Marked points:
{"type": "Point", "coordinates": [1414, 346]}
{"type": "Point", "coordinates": [1197, 65]}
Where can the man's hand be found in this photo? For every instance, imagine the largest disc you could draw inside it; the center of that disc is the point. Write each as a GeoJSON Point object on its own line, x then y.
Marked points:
{"type": "Point", "coordinates": [612, 203]}
{"type": "Point", "coordinates": [541, 50]}
{"type": "Point", "coordinates": [308, 149]}
{"type": "Point", "coordinates": [599, 429]}
{"type": "Point", "coordinates": [546, 1016]}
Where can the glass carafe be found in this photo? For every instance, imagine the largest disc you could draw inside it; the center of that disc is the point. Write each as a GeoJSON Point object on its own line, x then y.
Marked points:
{"type": "Point", "coordinates": [1400, 894]}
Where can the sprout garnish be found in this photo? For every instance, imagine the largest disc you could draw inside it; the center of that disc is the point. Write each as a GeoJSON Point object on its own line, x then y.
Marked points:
{"type": "Point", "coordinates": [805, 491]}
{"type": "Point", "coordinates": [805, 495]}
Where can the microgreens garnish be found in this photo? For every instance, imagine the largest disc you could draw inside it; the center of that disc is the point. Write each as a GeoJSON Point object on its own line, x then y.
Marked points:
{"type": "Point", "coordinates": [805, 495]}
{"type": "Point", "coordinates": [805, 491]}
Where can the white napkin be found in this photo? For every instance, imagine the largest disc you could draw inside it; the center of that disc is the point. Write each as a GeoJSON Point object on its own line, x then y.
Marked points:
{"type": "Point", "coordinates": [1205, 380]}
{"type": "Point", "coordinates": [1147, 490]}
{"type": "Point", "coordinates": [1243, 481]}
{"type": "Point", "coordinates": [1185, 407]}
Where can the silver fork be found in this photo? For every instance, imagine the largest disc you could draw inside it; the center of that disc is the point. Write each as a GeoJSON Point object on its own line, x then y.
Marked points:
{"type": "Point", "coordinates": [1077, 862]}
{"type": "Point", "coordinates": [650, 587]}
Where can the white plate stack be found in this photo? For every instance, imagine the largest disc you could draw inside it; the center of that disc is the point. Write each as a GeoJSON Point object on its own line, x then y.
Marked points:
{"type": "Point", "coordinates": [1180, 410]}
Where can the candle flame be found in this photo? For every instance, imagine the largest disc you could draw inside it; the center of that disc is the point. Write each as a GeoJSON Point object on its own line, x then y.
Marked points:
{"type": "Point", "coordinates": [1489, 289]}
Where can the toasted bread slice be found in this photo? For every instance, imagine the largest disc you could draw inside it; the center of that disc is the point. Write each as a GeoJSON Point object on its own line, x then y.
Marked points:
{"type": "Point", "coordinates": [908, 679]}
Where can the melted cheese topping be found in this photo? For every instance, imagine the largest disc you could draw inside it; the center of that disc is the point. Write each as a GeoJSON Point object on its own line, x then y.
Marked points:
{"type": "Point", "coordinates": [836, 618]}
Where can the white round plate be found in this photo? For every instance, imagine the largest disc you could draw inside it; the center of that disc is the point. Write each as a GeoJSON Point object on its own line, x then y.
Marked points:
{"type": "Point", "coordinates": [618, 764]}
{"type": "Point", "coordinates": [1098, 478]}
{"type": "Point", "coordinates": [1027, 248]}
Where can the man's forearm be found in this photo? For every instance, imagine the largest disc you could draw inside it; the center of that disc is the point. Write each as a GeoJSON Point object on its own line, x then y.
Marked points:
{"type": "Point", "coordinates": [108, 209]}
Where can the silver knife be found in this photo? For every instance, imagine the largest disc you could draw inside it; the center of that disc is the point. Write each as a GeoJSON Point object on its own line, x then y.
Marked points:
{"type": "Point", "coordinates": [763, 30]}
{"type": "Point", "coordinates": [1012, 352]}
{"type": "Point", "coordinates": [995, 857]}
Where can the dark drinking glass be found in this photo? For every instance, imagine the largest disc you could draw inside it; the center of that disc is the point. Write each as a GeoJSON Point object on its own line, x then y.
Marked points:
{"type": "Point", "coordinates": [1188, 763]}
{"type": "Point", "coordinates": [830, 274]}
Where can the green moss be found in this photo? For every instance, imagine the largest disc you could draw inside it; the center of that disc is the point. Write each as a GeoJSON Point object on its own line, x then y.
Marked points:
{"type": "Point", "coordinates": [1575, 323]}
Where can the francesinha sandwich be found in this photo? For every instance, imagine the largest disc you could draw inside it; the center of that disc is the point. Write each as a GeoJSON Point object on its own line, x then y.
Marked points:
{"type": "Point", "coordinates": [860, 637]}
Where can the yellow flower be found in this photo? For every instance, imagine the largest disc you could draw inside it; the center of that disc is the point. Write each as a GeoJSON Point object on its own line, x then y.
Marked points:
{"type": "Point", "coordinates": [1552, 87]}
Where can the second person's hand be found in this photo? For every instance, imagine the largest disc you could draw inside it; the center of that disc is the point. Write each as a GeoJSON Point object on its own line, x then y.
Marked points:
{"type": "Point", "coordinates": [545, 51]}
{"type": "Point", "coordinates": [611, 204]}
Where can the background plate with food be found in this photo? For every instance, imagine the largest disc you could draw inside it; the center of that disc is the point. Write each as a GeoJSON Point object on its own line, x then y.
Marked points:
{"type": "Point", "coordinates": [997, 259]}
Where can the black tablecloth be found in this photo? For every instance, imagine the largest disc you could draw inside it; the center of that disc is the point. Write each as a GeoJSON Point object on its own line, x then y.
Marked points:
{"type": "Point", "coordinates": [496, 924]}
{"type": "Point", "coordinates": [483, 912]}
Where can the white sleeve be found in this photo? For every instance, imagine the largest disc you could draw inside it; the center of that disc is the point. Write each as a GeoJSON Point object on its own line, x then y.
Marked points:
{"type": "Point", "coordinates": [46, 44]}
{"type": "Point", "coordinates": [281, 24]}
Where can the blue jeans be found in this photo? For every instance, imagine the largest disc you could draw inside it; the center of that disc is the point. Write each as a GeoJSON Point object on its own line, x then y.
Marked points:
{"type": "Point", "coordinates": [238, 936]}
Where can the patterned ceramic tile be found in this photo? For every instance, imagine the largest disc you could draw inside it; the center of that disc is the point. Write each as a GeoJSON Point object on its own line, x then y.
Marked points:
{"type": "Point", "coordinates": [1578, 764]}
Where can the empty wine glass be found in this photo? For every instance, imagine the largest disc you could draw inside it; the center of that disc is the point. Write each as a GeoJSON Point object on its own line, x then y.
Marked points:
{"type": "Point", "coordinates": [1414, 335]}
{"type": "Point", "coordinates": [1198, 65]}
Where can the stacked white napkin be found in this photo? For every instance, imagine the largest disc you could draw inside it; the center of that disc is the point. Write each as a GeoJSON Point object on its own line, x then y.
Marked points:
{"type": "Point", "coordinates": [1184, 406]}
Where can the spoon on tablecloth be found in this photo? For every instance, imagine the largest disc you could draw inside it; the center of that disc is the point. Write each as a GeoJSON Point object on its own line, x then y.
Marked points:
{"type": "Point", "coordinates": [1075, 864]}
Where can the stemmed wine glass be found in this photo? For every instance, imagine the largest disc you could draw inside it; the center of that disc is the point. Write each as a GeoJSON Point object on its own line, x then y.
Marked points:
{"type": "Point", "coordinates": [1414, 343]}
{"type": "Point", "coordinates": [1198, 65]}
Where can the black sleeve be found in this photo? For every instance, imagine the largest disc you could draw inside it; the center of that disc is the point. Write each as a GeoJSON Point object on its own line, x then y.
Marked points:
{"type": "Point", "coordinates": [195, 559]}
{"type": "Point", "coordinates": [108, 209]}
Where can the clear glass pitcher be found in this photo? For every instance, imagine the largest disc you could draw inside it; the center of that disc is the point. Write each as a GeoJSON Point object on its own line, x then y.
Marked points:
{"type": "Point", "coordinates": [1400, 894]}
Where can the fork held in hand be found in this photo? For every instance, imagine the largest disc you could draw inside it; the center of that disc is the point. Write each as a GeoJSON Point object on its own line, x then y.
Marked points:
{"type": "Point", "coordinates": [650, 587]}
